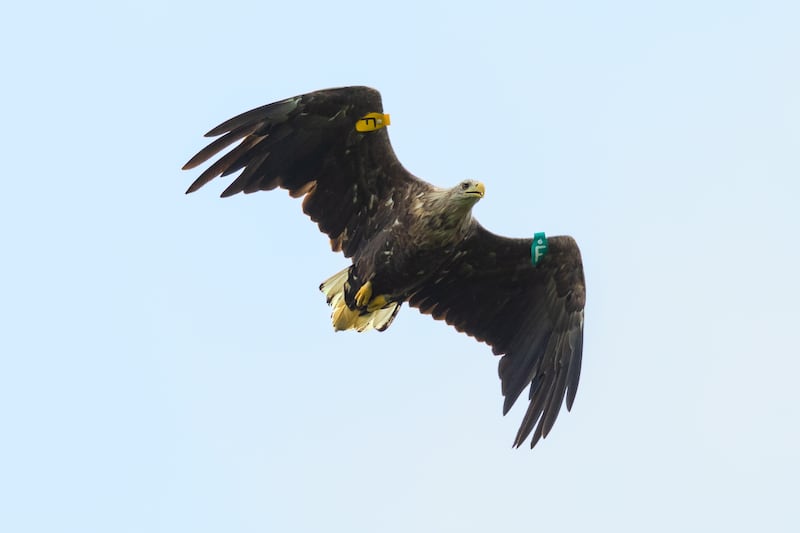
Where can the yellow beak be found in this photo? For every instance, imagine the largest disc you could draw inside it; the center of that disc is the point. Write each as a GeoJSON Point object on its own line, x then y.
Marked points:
{"type": "Point", "coordinates": [478, 189]}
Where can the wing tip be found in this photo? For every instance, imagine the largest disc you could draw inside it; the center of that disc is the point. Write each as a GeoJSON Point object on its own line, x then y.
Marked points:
{"type": "Point", "coordinates": [198, 159]}
{"type": "Point", "coordinates": [193, 187]}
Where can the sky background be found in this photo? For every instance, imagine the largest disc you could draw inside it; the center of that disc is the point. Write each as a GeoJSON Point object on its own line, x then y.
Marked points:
{"type": "Point", "coordinates": [167, 363]}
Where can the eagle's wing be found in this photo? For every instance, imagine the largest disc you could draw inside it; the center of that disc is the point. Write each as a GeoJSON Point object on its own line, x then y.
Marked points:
{"type": "Point", "coordinates": [533, 314]}
{"type": "Point", "coordinates": [309, 145]}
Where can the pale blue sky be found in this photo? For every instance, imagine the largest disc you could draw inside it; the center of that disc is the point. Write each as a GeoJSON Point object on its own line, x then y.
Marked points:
{"type": "Point", "coordinates": [167, 361]}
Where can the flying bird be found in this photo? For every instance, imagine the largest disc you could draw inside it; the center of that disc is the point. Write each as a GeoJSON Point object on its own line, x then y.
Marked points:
{"type": "Point", "coordinates": [412, 242]}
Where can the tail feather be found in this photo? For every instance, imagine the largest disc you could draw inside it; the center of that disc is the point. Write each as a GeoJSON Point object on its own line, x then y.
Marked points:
{"type": "Point", "coordinates": [345, 318]}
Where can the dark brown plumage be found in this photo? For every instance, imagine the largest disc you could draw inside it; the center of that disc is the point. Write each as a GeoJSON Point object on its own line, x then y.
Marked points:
{"type": "Point", "coordinates": [412, 242]}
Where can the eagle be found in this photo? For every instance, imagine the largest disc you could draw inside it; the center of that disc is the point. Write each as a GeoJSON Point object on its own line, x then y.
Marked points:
{"type": "Point", "coordinates": [410, 241]}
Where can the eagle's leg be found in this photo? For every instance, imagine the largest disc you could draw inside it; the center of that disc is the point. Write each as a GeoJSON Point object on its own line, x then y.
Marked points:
{"type": "Point", "coordinates": [364, 295]}
{"type": "Point", "coordinates": [364, 299]}
{"type": "Point", "coordinates": [373, 313]}
{"type": "Point", "coordinates": [379, 302]}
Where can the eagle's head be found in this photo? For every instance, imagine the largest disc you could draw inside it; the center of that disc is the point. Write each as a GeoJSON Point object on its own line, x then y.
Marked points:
{"type": "Point", "coordinates": [468, 192]}
{"type": "Point", "coordinates": [448, 211]}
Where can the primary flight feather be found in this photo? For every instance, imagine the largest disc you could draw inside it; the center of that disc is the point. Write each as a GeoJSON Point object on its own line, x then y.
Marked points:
{"type": "Point", "coordinates": [412, 242]}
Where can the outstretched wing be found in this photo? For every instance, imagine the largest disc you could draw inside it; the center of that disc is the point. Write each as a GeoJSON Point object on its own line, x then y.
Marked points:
{"type": "Point", "coordinates": [532, 314]}
{"type": "Point", "coordinates": [309, 145]}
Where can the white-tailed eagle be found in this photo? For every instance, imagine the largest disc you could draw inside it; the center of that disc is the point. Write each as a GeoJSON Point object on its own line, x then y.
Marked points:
{"type": "Point", "coordinates": [412, 242]}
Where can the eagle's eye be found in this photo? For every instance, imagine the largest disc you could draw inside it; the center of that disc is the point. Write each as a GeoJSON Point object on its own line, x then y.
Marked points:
{"type": "Point", "coordinates": [464, 185]}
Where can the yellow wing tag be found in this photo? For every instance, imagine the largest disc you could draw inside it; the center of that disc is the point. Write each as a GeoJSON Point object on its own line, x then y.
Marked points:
{"type": "Point", "coordinates": [372, 122]}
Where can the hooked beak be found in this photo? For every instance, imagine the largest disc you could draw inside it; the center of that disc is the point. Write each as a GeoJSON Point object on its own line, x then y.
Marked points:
{"type": "Point", "coordinates": [478, 190]}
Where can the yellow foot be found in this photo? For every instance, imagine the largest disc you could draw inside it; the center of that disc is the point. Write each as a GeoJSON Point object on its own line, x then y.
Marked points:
{"type": "Point", "coordinates": [379, 302]}
{"type": "Point", "coordinates": [364, 294]}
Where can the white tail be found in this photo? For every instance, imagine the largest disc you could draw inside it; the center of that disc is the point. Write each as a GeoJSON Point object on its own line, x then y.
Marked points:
{"type": "Point", "coordinates": [345, 318]}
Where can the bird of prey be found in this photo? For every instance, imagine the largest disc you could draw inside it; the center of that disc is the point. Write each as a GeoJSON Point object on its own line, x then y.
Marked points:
{"type": "Point", "coordinates": [410, 241]}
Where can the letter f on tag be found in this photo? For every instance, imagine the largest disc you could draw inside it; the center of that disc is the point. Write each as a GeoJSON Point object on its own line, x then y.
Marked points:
{"type": "Point", "coordinates": [538, 247]}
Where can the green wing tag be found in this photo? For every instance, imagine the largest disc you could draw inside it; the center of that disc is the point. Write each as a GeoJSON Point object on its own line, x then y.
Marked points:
{"type": "Point", "coordinates": [538, 247]}
{"type": "Point", "coordinates": [372, 122]}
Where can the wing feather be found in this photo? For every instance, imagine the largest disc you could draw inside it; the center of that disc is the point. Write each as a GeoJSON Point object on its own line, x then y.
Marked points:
{"type": "Point", "coordinates": [308, 144]}
{"type": "Point", "coordinates": [531, 315]}
{"type": "Point", "coordinates": [218, 145]}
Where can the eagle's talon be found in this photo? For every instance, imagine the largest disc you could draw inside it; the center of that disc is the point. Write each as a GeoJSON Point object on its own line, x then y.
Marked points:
{"type": "Point", "coordinates": [364, 295]}
{"type": "Point", "coordinates": [379, 302]}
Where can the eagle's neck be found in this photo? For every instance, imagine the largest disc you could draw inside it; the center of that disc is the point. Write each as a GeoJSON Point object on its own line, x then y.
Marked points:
{"type": "Point", "coordinates": [443, 216]}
